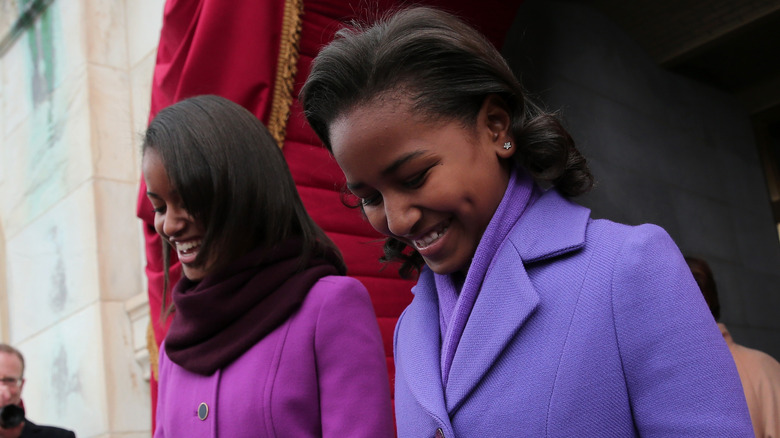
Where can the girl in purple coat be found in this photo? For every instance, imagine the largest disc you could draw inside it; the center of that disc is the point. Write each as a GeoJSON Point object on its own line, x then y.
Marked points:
{"type": "Point", "coordinates": [268, 338]}
{"type": "Point", "coordinates": [529, 317]}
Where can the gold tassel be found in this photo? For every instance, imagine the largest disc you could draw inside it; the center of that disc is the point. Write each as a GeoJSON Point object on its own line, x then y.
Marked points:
{"type": "Point", "coordinates": [286, 69]}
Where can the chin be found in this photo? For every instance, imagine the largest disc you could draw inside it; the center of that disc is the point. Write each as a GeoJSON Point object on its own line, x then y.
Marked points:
{"type": "Point", "coordinates": [447, 267]}
{"type": "Point", "coordinates": [193, 274]}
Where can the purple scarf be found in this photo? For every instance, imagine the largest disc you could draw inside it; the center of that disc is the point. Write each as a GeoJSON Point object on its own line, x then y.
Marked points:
{"type": "Point", "coordinates": [454, 306]}
{"type": "Point", "coordinates": [220, 317]}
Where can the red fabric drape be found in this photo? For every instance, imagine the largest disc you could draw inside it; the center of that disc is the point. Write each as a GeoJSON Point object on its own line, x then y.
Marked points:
{"type": "Point", "coordinates": [230, 48]}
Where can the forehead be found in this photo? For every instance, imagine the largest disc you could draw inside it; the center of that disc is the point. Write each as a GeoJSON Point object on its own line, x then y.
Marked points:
{"type": "Point", "coordinates": [10, 364]}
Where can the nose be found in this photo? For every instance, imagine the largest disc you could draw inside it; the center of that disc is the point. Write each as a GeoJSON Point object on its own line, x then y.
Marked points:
{"type": "Point", "coordinates": [175, 221]}
{"type": "Point", "coordinates": [5, 395]}
{"type": "Point", "coordinates": [401, 215]}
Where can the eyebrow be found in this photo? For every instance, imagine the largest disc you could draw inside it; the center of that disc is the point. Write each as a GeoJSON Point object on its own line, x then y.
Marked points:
{"type": "Point", "coordinates": [393, 167]}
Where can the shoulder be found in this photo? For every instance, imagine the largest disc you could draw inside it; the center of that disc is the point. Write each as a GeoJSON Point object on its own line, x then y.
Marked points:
{"type": "Point", "coordinates": [338, 289]}
{"type": "Point", "coordinates": [335, 298]}
{"type": "Point", "coordinates": [33, 430]}
{"type": "Point", "coordinates": [757, 361]}
{"type": "Point", "coordinates": [629, 245]}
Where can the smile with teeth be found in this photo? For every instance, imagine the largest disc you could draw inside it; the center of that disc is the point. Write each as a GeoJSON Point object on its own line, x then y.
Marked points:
{"type": "Point", "coordinates": [187, 247]}
{"type": "Point", "coordinates": [430, 238]}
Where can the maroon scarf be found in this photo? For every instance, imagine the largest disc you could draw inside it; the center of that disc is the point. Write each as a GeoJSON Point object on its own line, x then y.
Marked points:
{"type": "Point", "coordinates": [220, 317]}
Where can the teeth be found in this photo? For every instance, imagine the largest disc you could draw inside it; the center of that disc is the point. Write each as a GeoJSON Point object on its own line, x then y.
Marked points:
{"type": "Point", "coordinates": [429, 238]}
{"type": "Point", "coordinates": [186, 246]}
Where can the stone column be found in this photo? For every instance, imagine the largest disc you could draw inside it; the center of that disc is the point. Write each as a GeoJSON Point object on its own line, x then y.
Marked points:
{"type": "Point", "coordinates": [75, 81]}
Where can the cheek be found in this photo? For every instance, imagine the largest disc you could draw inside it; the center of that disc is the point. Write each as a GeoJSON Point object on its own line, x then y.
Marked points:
{"type": "Point", "coordinates": [159, 221]}
{"type": "Point", "coordinates": [376, 217]}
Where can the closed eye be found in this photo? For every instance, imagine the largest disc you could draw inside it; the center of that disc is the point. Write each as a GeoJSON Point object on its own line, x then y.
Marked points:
{"type": "Point", "coordinates": [371, 200]}
{"type": "Point", "coordinates": [417, 180]}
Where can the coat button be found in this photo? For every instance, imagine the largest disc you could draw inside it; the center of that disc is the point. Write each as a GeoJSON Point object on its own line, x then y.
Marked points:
{"type": "Point", "coordinates": [203, 411]}
{"type": "Point", "coordinates": [439, 433]}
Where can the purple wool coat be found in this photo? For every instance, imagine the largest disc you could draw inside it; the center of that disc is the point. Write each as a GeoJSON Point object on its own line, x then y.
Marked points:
{"type": "Point", "coordinates": [320, 374]}
{"type": "Point", "coordinates": [582, 328]}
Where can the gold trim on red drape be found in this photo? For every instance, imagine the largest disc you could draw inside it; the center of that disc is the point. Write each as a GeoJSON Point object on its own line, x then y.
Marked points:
{"type": "Point", "coordinates": [154, 351]}
{"type": "Point", "coordinates": [286, 69]}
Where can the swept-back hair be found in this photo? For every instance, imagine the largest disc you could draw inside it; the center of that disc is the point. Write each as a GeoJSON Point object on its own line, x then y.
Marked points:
{"type": "Point", "coordinates": [446, 70]}
{"type": "Point", "coordinates": [233, 178]}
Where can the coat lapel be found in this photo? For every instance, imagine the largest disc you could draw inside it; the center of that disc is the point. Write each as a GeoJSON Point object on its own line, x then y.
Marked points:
{"type": "Point", "coordinates": [417, 356]}
{"type": "Point", "coordinates": [506, 300]}
{"type": "Point", "coordinates": [551, 226]}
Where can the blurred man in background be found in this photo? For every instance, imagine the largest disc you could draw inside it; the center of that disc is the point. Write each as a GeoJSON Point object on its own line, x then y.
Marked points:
{"type": "Point", "coordinates": [13, 424]}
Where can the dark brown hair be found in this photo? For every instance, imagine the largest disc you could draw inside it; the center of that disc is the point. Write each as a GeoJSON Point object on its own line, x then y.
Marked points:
{"type": "Point", "coordinates": [703, 275]}
{"type": "Point", "coordinates": [233, 178]}
{"type": "Point", "coordinates": [446, 69]}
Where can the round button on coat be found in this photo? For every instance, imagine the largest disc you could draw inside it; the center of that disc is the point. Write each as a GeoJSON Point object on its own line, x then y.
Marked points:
{"type": "Point", "coordinates": [203, 411]}
{"type": "Point", "coordinates": [439, 433]}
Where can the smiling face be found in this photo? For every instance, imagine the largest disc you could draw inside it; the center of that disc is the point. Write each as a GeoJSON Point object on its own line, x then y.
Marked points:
{"type": "Point", "coordinates": [171, 220]}
{"type": "Point", "coordinates": [432, 185]}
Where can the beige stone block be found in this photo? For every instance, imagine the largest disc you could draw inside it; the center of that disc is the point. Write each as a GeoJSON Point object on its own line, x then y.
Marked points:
{"type": "Point", "coordinates": [120, 269]}
{"type": "Point", "coordinates": [106, 32]}
{"type": "Point", "coordinates": [12, 153]}
{"type": "Point", "coordinates": [54, 48]}
{"type": "Point", "coordinates": [4, 331]}
{"type": "Point", "coordinates": [52, 157]}
{"type": "Point", "coordinates": [9, 10]}
{"type": "Point", "coordinates": [127, 391]}
{"type": "Point", "coordinates": [141, 91]}
{"type": "Point", "coordinates": [144, 21]}
{"type": "Point", "coordinates": [52, 266]}
{"type": "Point", "coordinates": [66, 374]}
{"type": "Point", "coordinates": [112, 142]}
{"type": "Point", "coordinates": [17, 97]}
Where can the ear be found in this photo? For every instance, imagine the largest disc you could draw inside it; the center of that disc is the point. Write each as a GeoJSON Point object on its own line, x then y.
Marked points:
{"type": "Point", "coordinates": [494, 118]}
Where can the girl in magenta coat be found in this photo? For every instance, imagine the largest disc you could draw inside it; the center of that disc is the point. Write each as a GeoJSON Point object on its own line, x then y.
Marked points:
{"type": "Point", "coordinates": [529, 318]}
{"type": "Point", "coordinates": [268, 338]}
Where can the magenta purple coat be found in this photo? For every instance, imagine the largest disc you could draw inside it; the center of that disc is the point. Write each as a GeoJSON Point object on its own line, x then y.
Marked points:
{"type": "Point", "coordinates": [582, 328]}
{"type": "Point", "coordinates": [320, 374]}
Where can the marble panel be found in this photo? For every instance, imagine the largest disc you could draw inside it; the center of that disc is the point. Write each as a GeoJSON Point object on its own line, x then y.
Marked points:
{"type": "Point", "coordinates": [9, 10]}
{"type": "Point", "coordinates": [52, 266]}
{"type": "Point", "coordinates": [127, 391]}
{"type": "Point", "coordinates": [52, 157]}
{"type": "Point", "coordinates": [120, 269]}
{"type": "Point", "coordinates": [12, 166]}
{"type": "Point", "coordinates": [106, 33]}
{"type": "Point", "coordinates": [53, 51]}
{"type": "Point", "coordinates": [66, 374]}
{"type": "Point", "coordinates": [4, 296]}
{"type": "Point", "coordinates": [144, 21]}
{"type": "Point", "coordinates": [112, 142]}
{"type": "Point", "coordinates": [15, 86]}
{"type": "Point", "coordinates": [141, 95]}
{"type": "Point", "coordinates": [61, 35]}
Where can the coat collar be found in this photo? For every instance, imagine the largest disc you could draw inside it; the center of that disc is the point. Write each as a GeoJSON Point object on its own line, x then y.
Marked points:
{"type": "Point", "coordinates": [551, 226]}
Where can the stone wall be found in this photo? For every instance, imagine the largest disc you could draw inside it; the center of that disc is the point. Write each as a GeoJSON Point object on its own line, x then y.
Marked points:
{"type": "Point", "coordinates": [74, 95]}
{"type": "Point", "coordinates": [664, 150]}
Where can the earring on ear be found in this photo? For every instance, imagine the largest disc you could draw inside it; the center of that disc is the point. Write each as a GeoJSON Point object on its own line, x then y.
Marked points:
{"type": "Point", "coordinates": [508, 145]}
